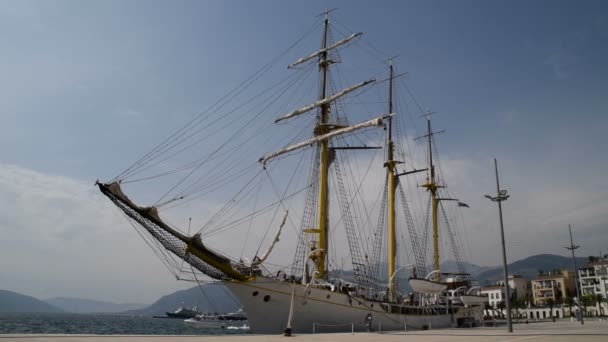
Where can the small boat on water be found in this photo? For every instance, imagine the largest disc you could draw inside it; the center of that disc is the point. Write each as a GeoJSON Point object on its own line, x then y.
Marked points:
{"type": "Point", "coordinates": [200, 321]}
{"type": "Point", "coordinates": [240, 315]}
{"type": "Point", "coordinates": [218, 321]}
{"type": "Point", "coordinates": [184, 312]}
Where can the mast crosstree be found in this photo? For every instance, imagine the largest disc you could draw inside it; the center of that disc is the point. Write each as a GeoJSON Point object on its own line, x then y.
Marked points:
{"type": "Point", "coordinates": [324, 131]}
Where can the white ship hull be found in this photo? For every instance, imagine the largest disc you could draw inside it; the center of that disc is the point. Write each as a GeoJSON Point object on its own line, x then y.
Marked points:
{"type": "Point", "coordinates": [267, 301]}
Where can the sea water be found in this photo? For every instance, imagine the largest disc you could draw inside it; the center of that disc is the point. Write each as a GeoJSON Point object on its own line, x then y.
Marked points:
{"type": "Point", "coordinates": [64, 323]}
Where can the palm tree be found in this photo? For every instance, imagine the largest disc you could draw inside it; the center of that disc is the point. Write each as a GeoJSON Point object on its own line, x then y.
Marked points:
{"type": "Point", "coordinates": [569, 301]}
{"type": "Point", "coordinates": [550, 303]}
{"type": "Point", "coordinates": [501, 306]}
{"type": "Point", "coordinates": [598, 303]}
{"type": "Point", "coordinates": [520, 303]}
{"type": "Point", "coordinates": [487, 308]}
{"type": "Point", "coordinates": [588, 300]}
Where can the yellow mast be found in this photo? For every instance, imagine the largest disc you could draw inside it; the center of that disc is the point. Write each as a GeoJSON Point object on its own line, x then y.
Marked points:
{"type": "Point", "coordinates": [432, 187]}
{"type": "Point", "coordinates": [322, 128]}
{"type": "Point", "coordinates": [392, 185]}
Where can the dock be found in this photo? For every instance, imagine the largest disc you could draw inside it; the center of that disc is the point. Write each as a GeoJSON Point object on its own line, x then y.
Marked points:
{"type": "Point", "coordinates": [543, 331]}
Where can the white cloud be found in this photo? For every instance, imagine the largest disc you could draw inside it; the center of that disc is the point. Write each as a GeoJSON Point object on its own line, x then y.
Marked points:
{"type": "Point", "coordinates": [61, 237]}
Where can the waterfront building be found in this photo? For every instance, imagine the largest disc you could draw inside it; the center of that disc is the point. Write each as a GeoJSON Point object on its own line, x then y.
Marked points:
{"type": "Point", "coordinates": [593, 277]}
{"type": "Point", "coordinates": [556, 285]}
{"type": "Point", "coordinates": [495, 294]}
{"type": "Point", "coordinates": [519, 288]}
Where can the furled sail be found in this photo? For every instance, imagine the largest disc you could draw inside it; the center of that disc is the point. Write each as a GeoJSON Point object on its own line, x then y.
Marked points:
{"type": "Point", "coordinates": [317, 53]}
{"type": "Point", "coordinates": [258, 260]}
{"type": "Point", "coordinates": [190, 249]}
{"type": "Point", "coordinates": [337, 132]}
{"type": "Point", "coordinates": [324, 101]}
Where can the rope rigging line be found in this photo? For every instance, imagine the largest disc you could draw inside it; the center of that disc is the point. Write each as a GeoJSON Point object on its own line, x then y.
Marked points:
{"type": "Point", "coordinates": [202, 290]}
{"type": "Point", "coordinates": [379, 235]}
{"type": "Point", "coordinates": [380, 55]}
{"type": "Point", "coordinates": [200, 140]}
{"type": "Point", "coordinates": [425, 233]}
{"type": "Point", "coordinates": [254, 214]}
{"type": "Point", "coordinates": [356, 195]}
{"type": "Point", "coordinates": [308, 216]}
{"type": "Point", "coordinates": [362, 273]}
{"type": "Point", "coordinates": [281, 198]}
{"type": "Point", "coordinates": [157, 251]}
{"type": "Point", "coordinates": [237, 133]}
{"type": "Point", "coordinates": [455, 250]}
{"type": "Point", "coordinates": [243, 85]}
{"type": "Point", "coordinates": [255, 204]}
{"type": "Point", "coordinates": [232, 200]}
{"type": "Point", "coordinates": [419, 253]}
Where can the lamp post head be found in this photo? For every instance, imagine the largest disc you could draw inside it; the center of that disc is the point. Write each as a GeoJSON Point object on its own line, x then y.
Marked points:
{"type": "Point", "coordinates": [489, 197]}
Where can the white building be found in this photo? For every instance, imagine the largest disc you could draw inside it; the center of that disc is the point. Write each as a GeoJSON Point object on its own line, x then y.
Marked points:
{"type": "Point", "coordinates": [520, 287]}
{"type": "Point", "coordinates": [593, 277]}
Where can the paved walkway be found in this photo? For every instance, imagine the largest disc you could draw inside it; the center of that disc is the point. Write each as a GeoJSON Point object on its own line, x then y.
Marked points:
{"type": "Point", "coordinates": [592, 331]}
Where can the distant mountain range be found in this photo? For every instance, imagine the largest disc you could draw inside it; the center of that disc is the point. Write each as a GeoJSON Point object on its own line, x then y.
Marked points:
{"type": "Point", "coordinates": [208, 298]}
{"type": "Point", "coordinates": [217, 298]}
{"type": "Point", "coordinates": [77, 305]}
{"type": "Point", "coordinates": [15, 302]}
{"type": "Point", "coordinates": [530, 267]}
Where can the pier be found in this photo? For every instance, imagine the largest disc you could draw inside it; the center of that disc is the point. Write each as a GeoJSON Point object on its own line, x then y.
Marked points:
{"type": "Point", "coordinates": [542, 331]}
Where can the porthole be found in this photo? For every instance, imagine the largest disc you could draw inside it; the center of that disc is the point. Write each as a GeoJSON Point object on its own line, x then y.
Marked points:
{"type": "Point", "coordinates": [255, 293]}
{"type": "Point", "coordinates": [266, 298]}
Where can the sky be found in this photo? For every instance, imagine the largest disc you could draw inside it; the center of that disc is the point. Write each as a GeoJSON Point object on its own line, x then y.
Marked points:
{"type": "Point", "coordinates": [88, 87]}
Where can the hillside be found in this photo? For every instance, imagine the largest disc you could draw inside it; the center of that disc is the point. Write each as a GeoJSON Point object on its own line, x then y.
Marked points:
{"type": "Point", "coordinates": [15, 302]}
{"type": "Point", "coordinates": [77, 305]}
{"type": "Point", "coordinates": [212, 298]}
{"type": "Point", "coordinates": [529, 267]}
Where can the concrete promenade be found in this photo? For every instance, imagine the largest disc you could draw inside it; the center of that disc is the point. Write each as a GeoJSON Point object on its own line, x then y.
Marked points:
{"type": "Point", "coordinates": [546, 331]}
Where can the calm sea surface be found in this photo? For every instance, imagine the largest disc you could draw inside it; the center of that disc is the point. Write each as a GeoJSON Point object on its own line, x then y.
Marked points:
{"type": "Point", "coordinates": [53, 323]}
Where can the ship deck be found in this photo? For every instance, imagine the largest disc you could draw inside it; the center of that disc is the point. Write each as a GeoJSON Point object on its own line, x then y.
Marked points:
{"type": "Point", "coordinates": [536, 331]}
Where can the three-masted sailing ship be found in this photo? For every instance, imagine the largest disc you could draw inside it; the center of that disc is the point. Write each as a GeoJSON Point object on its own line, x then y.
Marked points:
{"type": "Point", "coordinates": [312, 295]}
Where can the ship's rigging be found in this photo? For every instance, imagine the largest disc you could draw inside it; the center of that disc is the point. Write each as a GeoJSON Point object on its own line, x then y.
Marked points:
{"type": "Point", "coordinates": [336, 175]}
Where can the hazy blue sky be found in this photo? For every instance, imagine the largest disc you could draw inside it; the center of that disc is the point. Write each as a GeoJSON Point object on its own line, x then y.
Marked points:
{"type": "Point", "coordinates": [88, 86]}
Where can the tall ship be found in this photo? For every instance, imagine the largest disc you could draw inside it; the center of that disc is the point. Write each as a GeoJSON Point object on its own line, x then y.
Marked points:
{"type": "Point", "coordinates": [343, 200]}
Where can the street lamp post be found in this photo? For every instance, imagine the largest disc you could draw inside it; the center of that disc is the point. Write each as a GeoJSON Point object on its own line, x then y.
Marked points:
{"type": "Point", "coordinates": [603, 273]}
{"type": "Point", "coordinates": [502, 196]}
{"type": "Point", "coordinates": [577, 279]}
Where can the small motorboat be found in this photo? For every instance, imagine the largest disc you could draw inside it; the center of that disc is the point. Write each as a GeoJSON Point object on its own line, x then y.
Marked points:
{"type": "Point", "coordinates": [240, 315]}
{"type": "Point", "coordinates": [200, 321]}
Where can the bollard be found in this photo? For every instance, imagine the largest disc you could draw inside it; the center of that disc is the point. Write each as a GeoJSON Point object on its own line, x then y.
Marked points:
{"type": "Point", "coordinates": [313, 327]}
{"type": "Point", "coordinates": [352, 328]}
